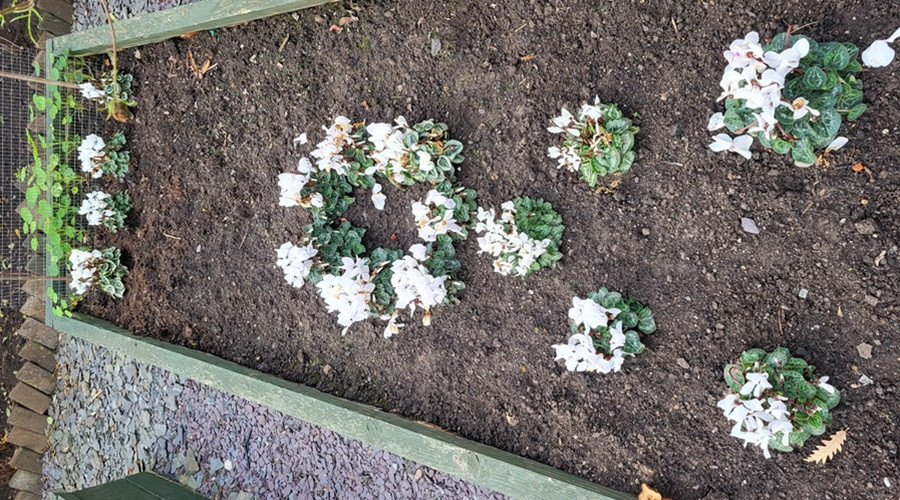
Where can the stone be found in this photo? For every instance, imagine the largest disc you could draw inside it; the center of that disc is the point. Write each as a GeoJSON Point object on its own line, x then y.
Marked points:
{"type": "Point", "coordinates": [39, 332]}
{"type": "Point", "coordinates": [34, 308]}
{"type": "Point", "coordinates": [26, 481]}
{"type": "Point", "coordinates": [23, 458]}
{"type": "Point", "coordinates": [866, 227]}
{"type": "Point", "coordinates": [35, 287]}
{"type": "Point", "coordinates": [27, 419]}
{"type": "Point", "coordinates": [37, 377]}
{"type": "Point", "coordinates": [30, 398]}
{"type": "Point", "coordinates": [683, 363]}
{"type": "Point", "coordinates": [26, 495]}
{"type": "Point", "coordinates": [864, 350]}
{"type": "Point", "coordinates": [27, 439]}
{"type": "Point", "coordinates": [38, 354]}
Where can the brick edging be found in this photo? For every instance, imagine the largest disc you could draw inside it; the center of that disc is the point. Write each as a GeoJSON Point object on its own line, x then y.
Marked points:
{"type": "Point", "coordinates": [32, 395]}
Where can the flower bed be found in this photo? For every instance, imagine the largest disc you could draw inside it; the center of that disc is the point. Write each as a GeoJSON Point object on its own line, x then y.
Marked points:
{"type": "Point", "coordinates": [202, 246]}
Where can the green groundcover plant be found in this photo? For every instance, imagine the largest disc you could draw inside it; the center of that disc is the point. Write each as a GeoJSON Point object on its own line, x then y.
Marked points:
{"type": "Point", "coordinates": [606, 327]}
{"type": "Point", "coordinates": [597, 142]}
{"type": "Point", "coordinates": [790, 94]}
{"type": "Point", "coordinates": [97, 268]}
{"type": "Point", "coordinates": [777, 401]}
{"type": "Point", "coordinates": [353, 284]}
{"type": "Point", "coordinates": [99, 158]}
{"type": "Point", "coordinates": [525, 238]}
{"type": "Point", "coordinates": [102, 209]}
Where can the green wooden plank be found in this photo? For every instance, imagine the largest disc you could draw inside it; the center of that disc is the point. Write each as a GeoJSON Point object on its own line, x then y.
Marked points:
{"type": "Point", "coordinates": [157, 26]}
{"type": "Point", "coordinates": [141, 486]}
{"type": "Point", "coordinates": [161, 487]}
{"type": "Point", "coordinates": [474, 462]}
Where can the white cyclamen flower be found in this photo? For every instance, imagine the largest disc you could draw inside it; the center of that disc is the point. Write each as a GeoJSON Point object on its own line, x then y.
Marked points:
{"type": "Point", "coordinates": [429, 219]}
{"type": "Point", "coordinates": [836, 144]}
{"type": "Point", "coordinates": [296, 262]}
{"type": "Point", "coordinates": [739, 145]}
{"type": "Point", "coordinates": [415, 286]}
{"type": "Point", "coordinates": [880, 52]}
{"type": "Point", "coordinates": [91, 154]}
{"type": "Point", "coordinates": [96, 208]}
{"type": "Point", "coordinates": [81, 269]}
{"type": "Point", "coordinates": [329, 153]}
{"type": "Point", "coordinates": [348, 294]}
{"type": "Point", "coordinates": [823, 383]}
{"type": "Point", "coordinates": [566, 157]}
{"type": "Point", "coordinates": [580, 354]}
{"type": "Point", "coordinates": [292, 184]}
{"type": "Point", "coordinates": [89, 91]}
{"type": "Point", "coordinates": [388, 150]}
{"type": "Point", "coordinates": [513, 252]}
{"type": "Point", "coordinates": [378, 198]}
{"type": "Point", "coordinates": [758, 421]}
{"type": "Point", "coordinates": [590, 314]}
{"type": "Point", "coordinates": [716, 121]}
{"type": "Point", "coordinates": [756, 384]}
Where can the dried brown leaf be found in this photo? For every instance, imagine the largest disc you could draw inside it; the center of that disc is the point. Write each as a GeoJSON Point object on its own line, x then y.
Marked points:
{"type": "Point", "coordinates": [346, 20]}
{"type": "Point", "coordinates": [648, 493]}
{"type": "Point", "coordinates": [527, 58]}
{"type": "Point", "coordinates": [828, 448]}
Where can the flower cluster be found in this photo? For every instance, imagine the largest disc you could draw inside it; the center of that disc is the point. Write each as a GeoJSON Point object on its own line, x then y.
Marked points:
{"type": "Point", "coordinates": [348, 293]}
{"type": "Point", "coordinates": [605, 328]}
{"type": "Point", "coordinates": [97, 268]}
{"type": "Point", "coordinates": [99, 158]}
{"type": "Point", "coordinates": [113, 93]}
{"type": "Point", "coordinates": [777, 400]}
{"type": "Point", "coordinates": [414, 284]}
{"type": "Point", "coordinates": [100, 208]}
{"type": "Point", "coordinates": [597, 142]}
{"type": "Point", "coordinates": [439, 213]}
{"type": "Point", "coordinates": [332, 256]}
{"type": "Point", "coordinates": [524, 239]}
{"type": "Point", "coordinates": [790, 94]}
{"type": "Point", "coordinates": [296, 262]}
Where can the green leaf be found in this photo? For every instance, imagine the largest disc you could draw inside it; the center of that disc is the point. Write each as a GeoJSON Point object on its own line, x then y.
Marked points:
{"type": "Point", "coordinates": [815, 78]}
{"type": "Point", "coordinates": [814, 425]}
{"type": "Point", "coordinates": [806, 392]}
{"type": "Point", "coordinates": [646, 323]}
{"type": "Point", "coordinates": [26, 215]}
{"type": "Point", "coordinates": [829, 400]}
{"type": "Point", "coordinates": [855, 112]}
{"type": "Point", "coordinates": [752, 356]}
{"type": "Point", "coordinates": [40, 102]}
{"type": "Point", "coordinates": [734, 377]}
{"type": "Point", "coordinates": [792, 383]}
{"type": "Point", "coordinates": [779, 357]}
{"type": "Point", "coordinates": [803, 153]}
{"type": "Point", "coordinates": [781, 146]}
{"type": "Point", "coordinates": [837, 58]}
{"type": "Point", "coordinates": [633, 343]}
{"type": "Point", "coordinates": [31, 195]}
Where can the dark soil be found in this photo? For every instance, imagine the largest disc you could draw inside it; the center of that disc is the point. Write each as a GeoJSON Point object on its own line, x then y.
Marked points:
{"type": "Point", "coordinates": [202, 239]}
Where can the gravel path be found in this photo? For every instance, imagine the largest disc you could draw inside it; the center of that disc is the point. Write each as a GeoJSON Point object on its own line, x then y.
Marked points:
{"type": "Point", "coordinates": [114, 416]}
{"type": "Point", "coordinates": [89, 13]}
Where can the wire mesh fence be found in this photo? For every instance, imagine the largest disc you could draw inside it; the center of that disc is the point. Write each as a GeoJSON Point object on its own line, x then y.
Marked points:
{"type": "Point", "coordinates": [15, 96]}
{"type": "Point", "coordinates": [42, 184]}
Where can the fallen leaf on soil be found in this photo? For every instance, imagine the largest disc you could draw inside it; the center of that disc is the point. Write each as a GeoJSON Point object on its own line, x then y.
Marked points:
{"type": "Point", "coordinates": [335, 27]}
{"type": "Point", "coordinates": [188, 35]}
{"type": "Point", "coordinates": [857, 167]}
{"type": "Point", "coordinates": [511, 420]}
{"type": "Point", "coordinates": [527, 58]}
{"type": "Point", "coordinates": [346, 20]}
{"type": "Point", "coordinates": [828, 448]}
{"type": "Point", "coordinates": [648, 493]}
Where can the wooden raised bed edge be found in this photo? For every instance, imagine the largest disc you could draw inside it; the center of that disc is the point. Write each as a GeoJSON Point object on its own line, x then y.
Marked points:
{"type": "Point", "coordinates": [475, 462]}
